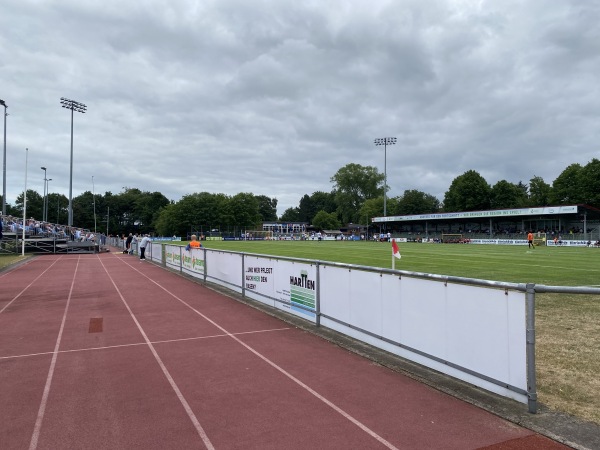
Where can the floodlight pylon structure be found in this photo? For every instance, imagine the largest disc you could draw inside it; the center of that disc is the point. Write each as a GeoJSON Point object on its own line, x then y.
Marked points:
{"type": "Point", "coordinates": [74, 107]}
{"type": "Point", "coordinates": [3, 103]}
{"type": "Point", "coordinates": [385, 142]}
{"type": "Point", "coordinates": [44, 199]}
{"type": "Point", "coordinates": [94, 201]}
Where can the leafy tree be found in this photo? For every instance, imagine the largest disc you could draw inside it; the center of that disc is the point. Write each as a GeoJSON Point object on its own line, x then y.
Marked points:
{"type": "Point", "coordinates": [468, 192]}
{"type": "Point", "coordinates": [291, 215]}
{"type": "Point", "coordinates": [244, 207]}
{"type": "Point", "coordinates": [353, 184]}
{"type": "Point", "coordinates": [589, 178]}
{"type": "Point", "coordinates": [539, 192]}
{"type": "Point", "coordinates": [10, 210]}
{"type": "Point", "coordinates": [146, 209]}
{"type": "Point", "coordinates": [83, 210]}
{"type": "Point", "coordinates": [310, 205]}
{"type": "Point", "coordinates": [323, 201]}
{"type": "Point", "coordinates": [167, 223]}
{"type": "Point", "coordinates": [566, 189]}
{"type": "Point", "coordinates": [306, 209]}
{"type": "Point", "coordinates": [416, 202]}
{"type": "Point", "coordinates": [326, 221]}
{"type": "Point", "coordinates": [507, 195]}
{"type": "Point", "coordinates": [371, 208]}
{"type": "Point", "coordinates": [195, 212]}
{"type": "Point", "coordinates": [34, 204]}
{"type": "Point", "coordinates": [267, 208]}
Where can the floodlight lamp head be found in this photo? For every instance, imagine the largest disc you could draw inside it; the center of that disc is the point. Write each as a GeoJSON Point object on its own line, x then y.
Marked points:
{"type": "Point", "coordinates": [3, 103]}
{"type": "Point", "coordinates": [43, 168]}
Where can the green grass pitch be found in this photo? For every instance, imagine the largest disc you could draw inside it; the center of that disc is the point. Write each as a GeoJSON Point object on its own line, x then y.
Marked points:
{"type": "Point", "coordinates": [561, 266]}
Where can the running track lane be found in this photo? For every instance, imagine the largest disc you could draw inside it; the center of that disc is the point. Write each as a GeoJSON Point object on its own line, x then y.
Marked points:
{"type": "Point", "coordinates": [105, 351]}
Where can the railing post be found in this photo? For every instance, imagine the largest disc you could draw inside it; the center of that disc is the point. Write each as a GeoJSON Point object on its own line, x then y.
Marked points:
{"type": "Point", "coordinates": [243, 276]}
{"type": "Point", "coordinates": [531, 377]}
{"type": "Point", "coordinates": [318, 299]}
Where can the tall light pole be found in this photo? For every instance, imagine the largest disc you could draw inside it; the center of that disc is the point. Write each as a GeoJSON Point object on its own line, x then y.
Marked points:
{"type": "Point", "coordinates": [385, 142]}
{"type": "Point", "coordinates": [2, 103]}
{"type": "Point", "coordinates": [79, 107]}
{"type": "Point", "coordinates": [24, 204]}
{"type": "Point", "coordinates": [94, 197]}
{"type": "Point", "coordinates": [48, 199]}
{"type": "Point", "coordinates": [44, 199]}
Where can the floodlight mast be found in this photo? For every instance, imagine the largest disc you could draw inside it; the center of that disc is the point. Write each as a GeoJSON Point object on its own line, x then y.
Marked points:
{"type": "Point", "coordinates": [81, 108]}
{"type": "Point", "coordinates": [385, 142]}
{"type": "Point", "coordinates": [3, 103]}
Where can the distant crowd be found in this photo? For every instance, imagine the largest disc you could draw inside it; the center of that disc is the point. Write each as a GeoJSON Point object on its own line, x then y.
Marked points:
{"type": "Point", "coordinates": [33, 227]}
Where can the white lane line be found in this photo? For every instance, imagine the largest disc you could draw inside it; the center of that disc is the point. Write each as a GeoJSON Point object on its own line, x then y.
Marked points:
{"type": "Point", "coordinates": [134, 344]}
{"type": "Point", "coordinates": [40, 416]}
{"type": "Point", "coordinates": [27, 287]}
{"type": "Point", "coordinates": [277, 367]}
{"type": "Point", "coordinates": [174, 386]}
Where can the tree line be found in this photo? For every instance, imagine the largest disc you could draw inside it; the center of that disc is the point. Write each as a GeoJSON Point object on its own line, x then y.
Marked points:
{"type": "Point", "coordinates": [356, 197]}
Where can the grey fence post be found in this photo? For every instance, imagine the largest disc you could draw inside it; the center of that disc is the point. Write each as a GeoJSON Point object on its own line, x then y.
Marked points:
{"type": "Point", "coordinates": [318, 299]}
{"type": "Point", "coordinates": [181, 259]}
{"type": "Point", "coordinates": [243, 276]}
{"type": "Point", "coordinates": [205, 265]}
{"type": "Point", "coordinates": [531, 378]}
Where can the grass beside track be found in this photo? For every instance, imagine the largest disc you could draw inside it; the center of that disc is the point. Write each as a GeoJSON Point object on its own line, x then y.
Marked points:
{"type": "Point", "coordinates": [567, 326]}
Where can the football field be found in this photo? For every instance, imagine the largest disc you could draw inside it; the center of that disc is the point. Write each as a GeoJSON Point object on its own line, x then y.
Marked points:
{"type": "Point", "coordinates": [563, 266]}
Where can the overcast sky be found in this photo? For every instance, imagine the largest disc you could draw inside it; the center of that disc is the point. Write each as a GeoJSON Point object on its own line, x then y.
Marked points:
{"type": "Point", "coordinates": [273, 97]}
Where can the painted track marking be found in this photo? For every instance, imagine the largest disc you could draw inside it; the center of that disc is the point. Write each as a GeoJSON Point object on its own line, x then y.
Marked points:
{"type": "Point", "coordinates": [164, 369]}
{"type": "Point", "coordinates": [134, 344]}
{"type": "Point", "coordinates": [40, 416]}
{"type": "Point", "coordinates": [28, 286]}
{"type": "Point", "coordinates": [332, 405]}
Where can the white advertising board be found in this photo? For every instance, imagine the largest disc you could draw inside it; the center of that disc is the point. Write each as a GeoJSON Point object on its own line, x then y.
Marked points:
{"type": "Point", "coordinates": [192, 262]}
{"type": "Point", "coordinates": [156, 252]}
{"type": "Point", "coordinates": [478, 329]}
{"type": "Point", "coordinates": [225, 269]}
{"type": "Point", "coordinates": [173, 256]}
{"type": "Point", "coordinates": [286, 285]}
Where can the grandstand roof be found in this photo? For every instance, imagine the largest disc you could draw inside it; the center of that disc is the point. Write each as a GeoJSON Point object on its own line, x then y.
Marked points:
{"type": "Point", "coordinates": [516, 213]}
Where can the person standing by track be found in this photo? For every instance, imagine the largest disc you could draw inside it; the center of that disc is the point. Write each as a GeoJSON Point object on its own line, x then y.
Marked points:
{"type": "Point", "coordinates": [145, 240]}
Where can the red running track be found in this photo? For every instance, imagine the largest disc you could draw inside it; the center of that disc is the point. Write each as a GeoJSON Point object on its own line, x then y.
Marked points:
{"type": "Point", "coordinates": [109, 352]}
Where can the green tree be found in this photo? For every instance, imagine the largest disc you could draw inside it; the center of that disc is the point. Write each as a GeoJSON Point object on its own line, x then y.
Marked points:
{"type": "Point", "coordinates": [507, 195]}
{"type": "Point", "coordinates": [371, 208]}
{"type": "Point", "coordinates": [323, 201]}
{"type": "Point", "coordinates": [566, 189]}
{"type": "Point", "coordinates": [306, 209]}
{"type": "Point", "coordinates": [416, 202]}
{"type": "Point", "coordinates": [146, 209]}
{"type": "Point", "coordinates": [353, 184]}
{"type": "Point", "coordinates": [34, 205]}
{"type": "Point", "coordinates": [589, 178]}
{"type": "Point", "coordinates": [83, 210]}
{"type": "Point", "coordinates": [539, 192]}
{"type": "Point", "coordinates": [10, 210]}
{"type": "Point", "coordinates": [267, 208]}
{"type": "Point", "coordinates": [244, 207]}
{"type": "Point", "coordinates": [326, 221]}
{"type": "Point", "coordinates": [167, 223]}
{"type": "Point", "coordinates": [290, 215]}
{"type": "Point", "coordinates": [468, 192]}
